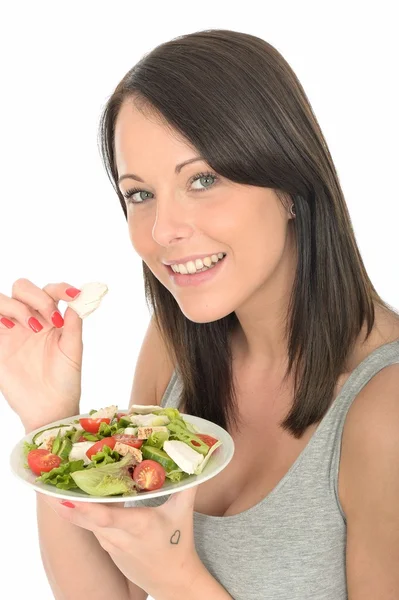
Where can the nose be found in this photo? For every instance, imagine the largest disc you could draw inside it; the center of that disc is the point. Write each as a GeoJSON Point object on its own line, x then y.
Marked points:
{"type": "Point", "coordinates": [172, 220]}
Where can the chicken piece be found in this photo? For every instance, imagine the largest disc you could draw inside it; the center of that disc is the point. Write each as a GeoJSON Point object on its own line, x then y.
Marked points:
{"type": "Point", "coordinates": [124, 449]}
{"type": "Point", "coordinates": [48, 443]}
{"type": "Point", "coordinates": [143, 433]}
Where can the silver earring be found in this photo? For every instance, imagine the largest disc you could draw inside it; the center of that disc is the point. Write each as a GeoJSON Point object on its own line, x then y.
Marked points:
{"type": "Point", "coordinates": [292, 210]}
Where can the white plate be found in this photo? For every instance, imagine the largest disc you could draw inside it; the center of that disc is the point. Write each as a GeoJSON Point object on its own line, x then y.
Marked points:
{"type": "Point", "coordinates": [217, 462]}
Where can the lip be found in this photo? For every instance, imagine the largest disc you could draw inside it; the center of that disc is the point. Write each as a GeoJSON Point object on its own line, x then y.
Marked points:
{"type": "Point", "coordinates": [193, 257]}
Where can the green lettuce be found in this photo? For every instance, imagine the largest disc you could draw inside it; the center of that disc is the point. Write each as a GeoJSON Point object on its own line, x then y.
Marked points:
{"type": "Point", "coordinates": [181, 433]}
{"type": "Point", "coordinates": [176, 476]}
{"type": "Point", "coordinates": [171, 413]}
{"type": "Point", "coordinates": [28, 447]}
{"type": "Point", "coordinates": [61, 477]}
{"type": "Point", "coordinates": [157, 438]}
{"type": "Point", "coordinates": [108, 480]}
{"type": "Point", "coordinates": [105, 456]}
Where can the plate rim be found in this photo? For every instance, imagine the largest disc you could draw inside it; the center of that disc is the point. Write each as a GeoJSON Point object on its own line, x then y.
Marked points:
{"type": "Point", "coordinates": [177, 487]}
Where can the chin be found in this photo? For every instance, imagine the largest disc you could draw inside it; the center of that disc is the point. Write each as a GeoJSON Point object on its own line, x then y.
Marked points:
{"type": "Point", "coordinates": [204, 314]}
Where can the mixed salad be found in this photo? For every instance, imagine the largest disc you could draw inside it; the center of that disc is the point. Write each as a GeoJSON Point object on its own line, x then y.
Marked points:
{"type": "Point", "coordinates": [111, 453]}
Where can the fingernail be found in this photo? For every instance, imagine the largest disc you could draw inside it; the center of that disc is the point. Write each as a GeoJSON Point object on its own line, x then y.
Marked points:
{"type": "Point", "coordinates": [7, 322]}
{"type": "Point", "coordinates": [68, 504]}
{"type": "Point", "coordinates": [72, 292]}
{"type": "Point", "coordinates": [57, 319]}
{"type": "Point", "coordinates": [35, 325]}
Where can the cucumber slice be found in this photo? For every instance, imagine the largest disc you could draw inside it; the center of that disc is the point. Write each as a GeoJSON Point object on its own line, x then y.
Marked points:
{"type": "Point", "coordinates": [160, 456]}
{"type": "Point", "coordinates": [66, 447]}
{"type": "Point", "coordinates": [57, 443]}
{"type": "Point", "coordinates": [36, 440]}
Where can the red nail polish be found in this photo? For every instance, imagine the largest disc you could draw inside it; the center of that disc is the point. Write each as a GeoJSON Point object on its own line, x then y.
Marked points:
{"type": "Point", "coordinates": [68, 504]}
{"type": "Point", "coordinates": [57, 319]}
{"type": "Point", "coordinates": [7, 322]}
{"type": "Point", "coordinates": [72, 292]}
{"type": "Point", "coordinates": [35, 325]}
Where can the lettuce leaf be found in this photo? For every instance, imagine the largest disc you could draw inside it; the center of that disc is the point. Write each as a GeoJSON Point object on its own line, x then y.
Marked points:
{"type": "Point", "coordinates": [105, 456]}
{"type": "Point", "coordinates": [61, 477]}
{"type": "Point", "coordinates": [176, 476]}
{"type": "Point", "coordinates": [157, 438]}
{"type": "Point", "coordinates": [108, 480]}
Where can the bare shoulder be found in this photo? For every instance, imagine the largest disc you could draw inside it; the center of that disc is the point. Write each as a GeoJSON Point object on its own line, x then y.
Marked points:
{"type": "Point", "coordinates": [369, 487]}
{"type": "Point", "coordinates": [372, 418]}
{"type": "Point", "coordinates": [154, 368]}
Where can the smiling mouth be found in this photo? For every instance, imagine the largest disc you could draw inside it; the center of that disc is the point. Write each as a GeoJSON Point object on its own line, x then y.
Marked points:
{"type": "Point", "coordinates": [191, 265]}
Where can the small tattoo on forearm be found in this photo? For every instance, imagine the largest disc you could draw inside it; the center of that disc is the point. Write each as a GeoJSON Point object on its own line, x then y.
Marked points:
{"type": "Point", "coordinates": [175, 537]}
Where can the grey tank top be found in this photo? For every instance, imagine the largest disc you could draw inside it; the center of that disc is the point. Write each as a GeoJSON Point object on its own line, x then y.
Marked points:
{"type": "Point", "coordinates": [292, 544]}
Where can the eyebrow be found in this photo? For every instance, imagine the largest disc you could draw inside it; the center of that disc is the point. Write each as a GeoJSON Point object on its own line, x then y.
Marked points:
{"type": "Point", "coordinates": [178, 168]}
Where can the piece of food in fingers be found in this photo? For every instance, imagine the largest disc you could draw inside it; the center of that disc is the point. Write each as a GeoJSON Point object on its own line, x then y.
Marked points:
{"type": "Point", "coordinates": [89, 298]}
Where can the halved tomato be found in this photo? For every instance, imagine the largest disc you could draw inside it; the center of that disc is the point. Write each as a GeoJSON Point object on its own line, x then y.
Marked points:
{"type": "Point", "coordinates": [129, 440]}
{"type": "Point", "coordinates": [108, 441]}
{"type": "Point", "coordinates": [149, 475]}
{"type": "Point", "coordinates": [42, 461]}
{"type": "Point", "coordinates": [93, 425]}
{"type": "Point", "coordinates": [207, 439]}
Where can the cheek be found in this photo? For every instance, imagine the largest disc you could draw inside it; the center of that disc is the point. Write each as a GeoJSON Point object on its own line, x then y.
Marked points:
{"type": "Point", "coordinates": [140, 235]}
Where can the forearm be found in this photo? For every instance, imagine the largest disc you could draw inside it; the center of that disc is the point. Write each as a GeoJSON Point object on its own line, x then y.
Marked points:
{"type": "Point", "coordinates": [76, 565]}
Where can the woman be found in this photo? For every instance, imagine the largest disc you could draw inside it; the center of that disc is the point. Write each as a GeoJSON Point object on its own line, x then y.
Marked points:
{"type": "Point", "coordinates": [282, 339]}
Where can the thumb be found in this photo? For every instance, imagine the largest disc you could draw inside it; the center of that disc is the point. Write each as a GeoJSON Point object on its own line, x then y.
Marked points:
{"type": "Point", "coordinates": [182, 501]}
{"type": "Point", "coordinates": [71, 342]}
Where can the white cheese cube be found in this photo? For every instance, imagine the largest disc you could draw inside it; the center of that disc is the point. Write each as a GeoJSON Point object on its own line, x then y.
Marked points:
{"type": "Point", "coordinates": [105, 413]}
{"type": "Point", "coordinates": [79, 450]}
{"type": "Point", "coordinates": [89, 298]}
{"type": "Point", "coordinates": [185, 457]}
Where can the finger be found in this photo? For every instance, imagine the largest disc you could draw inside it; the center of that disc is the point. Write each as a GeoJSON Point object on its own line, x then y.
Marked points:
{"type": "Point", "coordinates": [45, 300]}
{"type": "Point", "coordinates": [103, 516]}
{"type": "Point", "coordinates": [180, 502]}
{"type": "Point", "coordinates": [14, 312]}
{"type": "Point", "coordinates": [26, 295]}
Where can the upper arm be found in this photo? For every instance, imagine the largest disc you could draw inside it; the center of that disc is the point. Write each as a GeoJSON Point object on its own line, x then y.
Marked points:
{"type": "Point", "coordinates": [154, 368]}
{"type": "Point", "coordinates": [369, 489]}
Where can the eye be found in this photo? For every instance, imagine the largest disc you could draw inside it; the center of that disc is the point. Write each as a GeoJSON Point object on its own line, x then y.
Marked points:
{"type": "Point", "coordinates": [203, 176]}
{"type": "Point", "coordinates": [129, 196]}
{"type": "Point", "coordinates": [143, 195]}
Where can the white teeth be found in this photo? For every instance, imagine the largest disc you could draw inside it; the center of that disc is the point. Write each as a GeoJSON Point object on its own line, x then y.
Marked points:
{"type": "Point", "coordinates": [191, 268]}
{"type": "Point", "coordinates": [199, 265]}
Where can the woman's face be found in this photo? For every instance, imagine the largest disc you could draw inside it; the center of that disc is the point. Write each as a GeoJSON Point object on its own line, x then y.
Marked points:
{"type": "Point", "coordinates": [178, 215]}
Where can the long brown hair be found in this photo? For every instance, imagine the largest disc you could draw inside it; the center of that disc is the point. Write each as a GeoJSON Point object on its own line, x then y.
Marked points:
{"type": "Point", "coordinates": [236, 99]}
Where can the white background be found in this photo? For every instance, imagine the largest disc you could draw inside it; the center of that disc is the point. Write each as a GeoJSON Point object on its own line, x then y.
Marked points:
{"type": "Point", "coordinates": [61, 221]}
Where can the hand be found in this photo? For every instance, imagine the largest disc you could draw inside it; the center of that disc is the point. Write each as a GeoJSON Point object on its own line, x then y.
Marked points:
{"type": "Point", "coordinates": [40, 373]}
{"type": "Point", "coordinates": [152, 547]}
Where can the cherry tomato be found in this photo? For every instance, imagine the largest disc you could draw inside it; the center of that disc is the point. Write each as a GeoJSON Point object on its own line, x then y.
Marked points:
{"type": "Point", "coordinates": [93, 425]}
{"type": "Point", "coordinates": [207, 439]}
{"type": "Point", "coordinates": [149, 475]}
{"type": "Point", "coordinates": [41, 460]}
{"type": "Point", "coordinates": [129, 440]}
{"type": "Point", "coordinates": [98, 446]}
